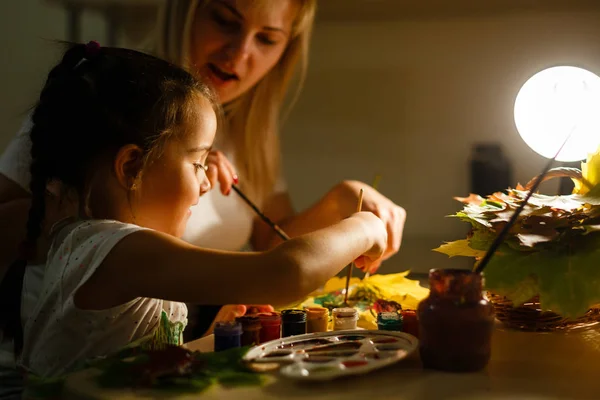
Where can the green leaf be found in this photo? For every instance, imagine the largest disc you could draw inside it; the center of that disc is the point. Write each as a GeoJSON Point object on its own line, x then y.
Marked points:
{"type": "Point", "coordinates": [570, 281]}
{"type": "Point", "coordinates": [459, 248]}
{"type": "Point", "coordinates": [566, 279]}
{"type": "Point", "coordinates": [481, 240]}
{"type": "Point", "coordinates": [223, 367]}
{"type": "Point", "coordinates": [232, 379]}
{"type": "Point", "coordinates": [223, 359]}
{"type": "Point", "coordinates": [512, 274]}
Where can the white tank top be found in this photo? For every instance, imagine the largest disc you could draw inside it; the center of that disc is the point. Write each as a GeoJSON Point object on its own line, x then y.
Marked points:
{"type": "Point", "coordinates": [59, 337]}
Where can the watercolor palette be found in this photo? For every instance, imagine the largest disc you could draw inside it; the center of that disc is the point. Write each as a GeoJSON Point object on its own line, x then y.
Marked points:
{"type": "Point", "coordinates": [329, 355]}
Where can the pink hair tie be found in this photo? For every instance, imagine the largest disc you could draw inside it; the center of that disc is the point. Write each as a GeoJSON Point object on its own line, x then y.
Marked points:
{"type": "Point", "coordinates": [92, 49]}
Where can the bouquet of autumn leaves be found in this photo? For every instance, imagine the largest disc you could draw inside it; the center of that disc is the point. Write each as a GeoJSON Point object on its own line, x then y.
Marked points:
{"type": "Point", "coordinates": [552, 251]}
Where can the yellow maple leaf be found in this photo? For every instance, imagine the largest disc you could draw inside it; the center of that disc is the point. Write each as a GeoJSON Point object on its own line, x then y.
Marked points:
{"type": "Point", "coordinates": [590, 171]}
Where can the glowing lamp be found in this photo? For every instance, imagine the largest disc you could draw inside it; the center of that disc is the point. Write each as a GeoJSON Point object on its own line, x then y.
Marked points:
{"type": "Point", "coordinates": [555, 102]}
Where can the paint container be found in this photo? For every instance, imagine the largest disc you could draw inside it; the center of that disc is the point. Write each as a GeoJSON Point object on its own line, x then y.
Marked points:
{"type": "Point", "coordinates": [344, 318]}
{"type": "Point", "coordinates": [270, 326]}
{"type": "Point", "coordinates": [293, 322]}
{"type": "Point", "coordinates": [410, 323]}
{"type": "Point", "coordinates": [317, 319]}
{"type": "Point", "coordinates": [251, 328]}
{"type": "Point", "coordinates": [389, 321]}
{"type": "Point", "coordinates": [227, 335]}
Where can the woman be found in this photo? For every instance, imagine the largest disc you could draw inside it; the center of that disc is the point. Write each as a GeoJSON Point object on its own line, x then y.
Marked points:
{"type": "Point", "coordinates": [248, 50]}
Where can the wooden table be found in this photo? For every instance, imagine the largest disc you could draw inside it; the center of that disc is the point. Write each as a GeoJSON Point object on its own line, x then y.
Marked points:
{"type": "Point", "coordinates": [523, 366]}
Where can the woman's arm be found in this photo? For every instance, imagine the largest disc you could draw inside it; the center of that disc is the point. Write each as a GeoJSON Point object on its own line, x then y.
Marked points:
{"type": "Point", "coordinates": [279, 208]}
{"type": "Point", "coordinates": [13, 216]}
{"type": "Point", "coordinates": [10, 190]}
{"type": "Point", "coordinates": [151, 264]}
{"type": "Point", "coordinates": [14, 208]}
{"type": "Point", "coordinates": [337, 204]}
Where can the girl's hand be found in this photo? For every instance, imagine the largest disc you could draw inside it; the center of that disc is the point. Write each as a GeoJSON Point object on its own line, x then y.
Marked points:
{"type": "Point", "coordinates": [257, 309]}
{"type": "Point", "coordinates": [220, 170]}
{"type": "Point", "coordinates": [344, 198]}
{"type": "Point", "coordinates": [377, 232]}
{"type": "Point", "coordinates": [230, 312]}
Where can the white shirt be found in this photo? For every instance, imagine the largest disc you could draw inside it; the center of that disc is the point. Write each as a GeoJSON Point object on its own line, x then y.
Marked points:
{"type": "Point", "coordinates": [59, 337]}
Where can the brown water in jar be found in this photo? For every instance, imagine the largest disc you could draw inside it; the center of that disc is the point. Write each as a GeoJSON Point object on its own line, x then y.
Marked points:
{"type": "Point", "coordinates": [455, 322]}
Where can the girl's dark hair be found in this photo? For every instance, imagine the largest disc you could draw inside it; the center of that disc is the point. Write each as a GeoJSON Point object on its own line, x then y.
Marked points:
{"type": "Point", "coordinates": [95, 101]}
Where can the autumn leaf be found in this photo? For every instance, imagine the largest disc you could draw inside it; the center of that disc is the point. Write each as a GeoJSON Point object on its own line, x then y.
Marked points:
{"type": "Point", "coordinates": [590, 172]}
{"type": "Point", "coordinates": [459, 248]}
{"type": "Point", "coordinates": [591, 228]}
{"type": "Point", "coordinates": [592, 197]}
{"type": "Point", "coordinates": [553, 249]}
{"type": "Point", "coordinates": [472, 199]}
{"type": "Point", "coordinates": [565, 203]}
{"type": "Point", "coordinates": [531, 239]}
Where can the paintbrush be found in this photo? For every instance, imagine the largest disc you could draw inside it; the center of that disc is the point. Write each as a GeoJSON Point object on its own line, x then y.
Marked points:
{"type": "Point", "coordinates": [375, 186]}
{"type": "Point", "coordinates": [500, 238]}
{"type": "Point", "coordinates": [358, 208]}
{"type": "Point", "coordinates": [272, 224]}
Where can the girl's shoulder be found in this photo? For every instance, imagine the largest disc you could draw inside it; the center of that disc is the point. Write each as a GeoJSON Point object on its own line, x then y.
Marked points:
{"type": "Point", "coordinates": [90, 227]}
{"type": "Point", "coordinates": [89, 236]}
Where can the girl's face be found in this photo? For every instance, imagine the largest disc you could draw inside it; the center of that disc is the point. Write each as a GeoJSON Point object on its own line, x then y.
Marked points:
{"type": "Point", "coordinates": [235, 43]}
{"type": "Point", "coordinates": [174, 182]}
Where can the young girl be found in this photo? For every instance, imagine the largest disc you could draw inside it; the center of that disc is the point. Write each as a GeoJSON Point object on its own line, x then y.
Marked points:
{"type": "Point", "coordinates": [127, 136]}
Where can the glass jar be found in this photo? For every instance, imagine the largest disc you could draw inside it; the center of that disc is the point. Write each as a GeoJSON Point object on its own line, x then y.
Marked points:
{"type": "Point", "coordinates": [271, 326]}
{"type": "Point", "coordinates": [293, 322]}
{"type": "Point", "coordinates": [344, 318]}
{"type": "Point", "coordinates": [251, 328]}
{"type": "Point", "coordinates": [317, 319]}
{"type": "Point", "coordinates": [455, 322]}
{"type": "Point", "coordinates": [227, 335]}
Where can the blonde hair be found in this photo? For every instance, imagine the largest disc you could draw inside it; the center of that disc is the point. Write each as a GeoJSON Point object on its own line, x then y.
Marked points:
{"type": "Point", "coordinates": [253, 118]}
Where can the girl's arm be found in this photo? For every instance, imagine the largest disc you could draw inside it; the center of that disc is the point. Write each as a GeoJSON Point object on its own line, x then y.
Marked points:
{"type": "Point", "coordinates": [151, 264]}
{"type": "Point", "coordinates": [337, 204]}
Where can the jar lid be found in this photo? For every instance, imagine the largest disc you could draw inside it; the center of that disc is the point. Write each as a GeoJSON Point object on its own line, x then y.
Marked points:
{"type": "Point", "coordinates": [249, 321]}
{"type": "Point", "coordinates": [270, 318]}
{"type": "Point", "coordinates": [345, 312]}
{"type": "Point", "coordinates": [229, 328]}
{"type": "Point", "coordinates": [389, 317]}
{"type": "Point", "coordinates": [294, 315]}
{"type": "Point", "coordinates": [316, 312]}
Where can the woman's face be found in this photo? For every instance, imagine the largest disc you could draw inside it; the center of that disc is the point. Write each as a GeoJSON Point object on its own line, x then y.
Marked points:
{"type": "Point", "coordinates": [235, 43]}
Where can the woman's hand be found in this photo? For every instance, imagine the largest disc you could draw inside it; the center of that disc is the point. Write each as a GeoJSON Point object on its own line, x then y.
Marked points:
{"type": "Point", "coordinates": [376, 230]}
{"type": "Point", "coordinates": [220, 170]}
{"type": "Point", "coordinates": [345, 199]}
{"type": "Point", "coordinates": [231, 311]}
